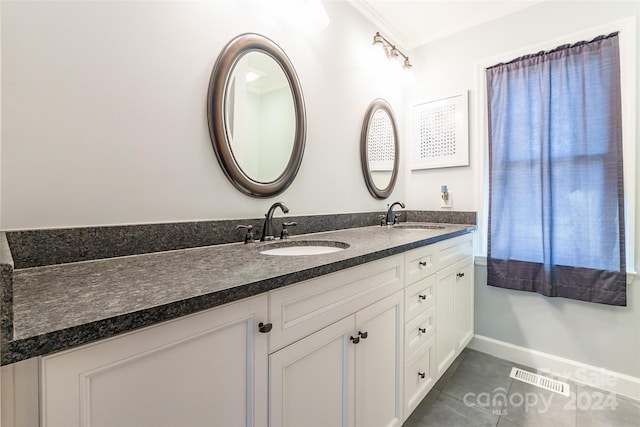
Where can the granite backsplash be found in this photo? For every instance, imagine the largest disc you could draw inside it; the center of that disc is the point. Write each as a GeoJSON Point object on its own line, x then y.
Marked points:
{"type": "Point", "coordinates": [35, 248]}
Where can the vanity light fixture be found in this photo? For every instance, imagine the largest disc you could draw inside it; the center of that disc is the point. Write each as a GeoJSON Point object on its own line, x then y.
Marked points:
{"type": "Point", "coordinates": [391, 50]}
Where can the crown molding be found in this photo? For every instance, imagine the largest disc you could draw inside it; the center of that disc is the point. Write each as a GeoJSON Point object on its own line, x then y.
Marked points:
{"type": "Point", "coordinates": [384, 26]}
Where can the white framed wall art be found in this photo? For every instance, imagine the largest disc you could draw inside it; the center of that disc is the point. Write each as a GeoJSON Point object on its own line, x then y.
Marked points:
{"type": "Point", "coordinates": [441, 133]}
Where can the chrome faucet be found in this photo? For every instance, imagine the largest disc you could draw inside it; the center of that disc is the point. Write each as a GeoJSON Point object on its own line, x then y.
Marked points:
{"type": "Point", "coordinates": [392, 218]}
{"type": "Point", "coordinates": [267, 230]}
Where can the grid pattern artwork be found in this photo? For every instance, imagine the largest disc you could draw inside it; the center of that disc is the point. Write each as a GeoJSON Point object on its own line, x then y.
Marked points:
{"type": "Point", "coordinates": [440, 134]}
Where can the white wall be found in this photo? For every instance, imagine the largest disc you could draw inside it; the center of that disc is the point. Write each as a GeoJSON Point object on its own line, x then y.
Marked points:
{"type": "Point", "coordinates": [104, 111]}
{"type": "Point", "coordinates": [597, 335]}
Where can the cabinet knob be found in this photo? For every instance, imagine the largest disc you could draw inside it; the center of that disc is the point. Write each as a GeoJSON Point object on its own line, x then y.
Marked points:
{"type": "Point", "coordinates": [422, 375]}
{"type": "Point", "coordinates": [422, 296]}
{"type": "Point", "coordinates": [264, 327]}
{"type": "Point", "coordinates": [355, 340]}
{"type": "Point", "coordinates": [460, 274]}
{"type": "Point", "coordinates": [423, 263]}
{"type": "Point", "coordinates": [423, 330]}
{"type": "Point", "coordinates": [363, 335]}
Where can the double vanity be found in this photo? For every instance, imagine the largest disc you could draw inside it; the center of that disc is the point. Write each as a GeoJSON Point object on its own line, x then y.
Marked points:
{"type": "Point", "coordinates": [347, 327]}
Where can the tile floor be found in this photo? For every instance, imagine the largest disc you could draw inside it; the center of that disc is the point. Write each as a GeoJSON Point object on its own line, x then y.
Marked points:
{"type": "Point", "coordinates": [477, 391]}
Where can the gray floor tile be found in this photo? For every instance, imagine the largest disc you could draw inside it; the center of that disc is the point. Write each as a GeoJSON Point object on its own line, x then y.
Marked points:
{"type": "Point", "coordinates": [531, 406]}
{"type": "Point", "coordinates": [477, 391]}
{"type": "Point", "coordinates": [597, 408]}
{"type": "Point", "coordinates": [444, 379]}
{"type": "Point", "coordinates": [412, 422]}
{"type": "Point", "coordinates": [447, 411]}
{"type": "Point", "coordinates": [480, 380]}
{"type": "Point", "coordinates": [424, 406]}
{"type": "Point", "coordinates": [507, 423]}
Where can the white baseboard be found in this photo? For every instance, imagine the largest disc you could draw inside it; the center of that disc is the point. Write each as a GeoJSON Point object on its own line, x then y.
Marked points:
{"type": "Point", "coordinates": [622, 384]}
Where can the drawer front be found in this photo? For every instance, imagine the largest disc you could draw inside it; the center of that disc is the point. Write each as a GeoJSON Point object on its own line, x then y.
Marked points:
{"type": "Point", "coordinates": [453, 250]}
{"type": "Point", "coordinates": [419, 330]}
{"type": "Point", "coordinates": [419, 376]}
{"type": "Point", "coordinates": [420, 263]}
{"type": "Point", "coordinates": [419, 297]}
{"type": "Point", "coordinates": [301, 309]}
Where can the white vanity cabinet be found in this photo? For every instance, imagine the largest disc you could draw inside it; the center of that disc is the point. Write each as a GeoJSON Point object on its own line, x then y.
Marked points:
{"type": "Point", "coordinates": [454, 300]}
{"type": "Point", "coordinates": [209, 369]}
{"type": "Point", "coordinates": [335, 370]}
{"type": "Point", "coordinates": [360, 347]}
{"type": "Point", "coordinates": [438, 313]}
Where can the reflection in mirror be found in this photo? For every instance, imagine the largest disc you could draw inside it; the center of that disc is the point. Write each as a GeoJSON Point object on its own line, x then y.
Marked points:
{"type": "Point", "coordinates": [379, 149]}
{"type": "Point", "coordinates": [256, 115]}
{"type": "Point", "coordinates": [260, 117]}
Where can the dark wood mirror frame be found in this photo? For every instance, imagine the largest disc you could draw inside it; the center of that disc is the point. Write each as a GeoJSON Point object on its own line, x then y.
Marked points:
{"type": "Point", "coordinates": [218, 86]}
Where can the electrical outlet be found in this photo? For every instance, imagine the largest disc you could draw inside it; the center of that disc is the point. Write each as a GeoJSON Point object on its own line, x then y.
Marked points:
{"type": "Point", "coordinates": [446, 203]}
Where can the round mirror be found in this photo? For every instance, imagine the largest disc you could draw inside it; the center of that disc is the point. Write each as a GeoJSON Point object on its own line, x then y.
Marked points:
{"type": "Point", "coordinates": [379, 149]}
{"type": "Point", "coordinates": [256, 116]}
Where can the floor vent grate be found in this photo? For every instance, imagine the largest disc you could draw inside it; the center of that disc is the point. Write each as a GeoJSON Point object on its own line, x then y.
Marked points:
{"type": "Point", "coordinates": [540, 381]}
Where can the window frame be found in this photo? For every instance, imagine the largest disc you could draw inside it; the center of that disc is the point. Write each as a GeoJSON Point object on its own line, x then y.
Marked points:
{"type": "Point", "coordinates": [627, 43]}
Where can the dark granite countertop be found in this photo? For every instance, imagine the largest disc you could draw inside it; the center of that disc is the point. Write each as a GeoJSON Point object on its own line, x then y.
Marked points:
{"type": "Point", "coordinates": [61, 306]}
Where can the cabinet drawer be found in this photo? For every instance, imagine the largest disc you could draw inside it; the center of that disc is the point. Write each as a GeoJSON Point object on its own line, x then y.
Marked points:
{"type": "Point", "coordinates": [419, 330]}
{"type": "Point", "coordinates": [453, 250]}
{"type": "Point", "coordinates": [303, 308]}
{"type": "Point", "coordinates": [419, 376]}
{"type": "Point", "coordinates": [420, 263]}
{"type": "Point", "coordinates": [419, 297]}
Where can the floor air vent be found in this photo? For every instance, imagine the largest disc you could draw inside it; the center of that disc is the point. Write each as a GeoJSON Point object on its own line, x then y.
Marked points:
{"type": "Point", "coordinates": [540, 381]}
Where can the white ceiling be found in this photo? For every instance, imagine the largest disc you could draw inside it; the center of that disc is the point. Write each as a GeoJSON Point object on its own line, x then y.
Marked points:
{"type": "Point", "coordinates": [412, 23]}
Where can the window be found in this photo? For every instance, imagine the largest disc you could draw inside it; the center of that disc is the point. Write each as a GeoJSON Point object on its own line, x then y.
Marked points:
{"type": "Point", "coordinates": [556, 206]}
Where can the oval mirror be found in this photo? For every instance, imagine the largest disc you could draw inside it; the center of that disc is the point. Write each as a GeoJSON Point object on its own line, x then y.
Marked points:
{"type": "Point", "coordinates": [379, 149]}
{"type": "Point", "coordinates": [256, 115]}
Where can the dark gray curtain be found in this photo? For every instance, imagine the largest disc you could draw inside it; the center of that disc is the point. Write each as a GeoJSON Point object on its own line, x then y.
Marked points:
{"type": "Point", "coordinates": [556, 217]}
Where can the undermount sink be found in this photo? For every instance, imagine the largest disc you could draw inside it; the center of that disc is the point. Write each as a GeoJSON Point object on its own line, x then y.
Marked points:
{"type": "Point", "coordinates": [303, 247]}
{"type": "Point", "coordinates": [419, 226]}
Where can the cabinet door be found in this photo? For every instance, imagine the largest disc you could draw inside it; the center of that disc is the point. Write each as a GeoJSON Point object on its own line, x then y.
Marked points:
{"type": "Point", "coordinates": [379, 374]}
{"type": "Point", "coordinates": [311, 381]}
{"type": "Point", "coordinates": [463, 322]}
{"type": "Point", "coordinates": [445, 341]}
{"type": "Point", "coordinates": [454, 311]}
{"type": "Point", "coordinates": [205, 369]}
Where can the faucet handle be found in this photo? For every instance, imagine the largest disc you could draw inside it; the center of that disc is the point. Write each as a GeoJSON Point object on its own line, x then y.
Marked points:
{"type": "Point", "coordinates": [395, 218]}
{"type": "Point", "coordinates": [382, 220]}
{"type": "Point", "coordinates": [248, 238]}
{"type": "Point", "coordinates": [285, 233]}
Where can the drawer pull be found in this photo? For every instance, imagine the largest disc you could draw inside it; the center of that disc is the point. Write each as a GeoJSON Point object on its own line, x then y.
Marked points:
{"type": "Point", "coordinates": [355, 340]}
{"type": "Point", "coordinates": [423, 330]}
{"type": "Point", "coordinates": [264, 327]}
{"type": "Point", "coordinates": [363, 335]}
{"type": "Point", "coordinates": [423, 297]}
{"type": "Point", "coordinates": [423, 263]}
{"type": "Point", "coordinates": [422, 375]}
{"type": "Point", "coordinates": [460, 274]}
